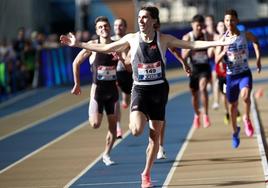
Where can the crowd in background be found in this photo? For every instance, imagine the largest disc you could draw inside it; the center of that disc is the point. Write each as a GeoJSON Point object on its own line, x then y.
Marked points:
{"type": "Point", "coordinates": [20, 57]}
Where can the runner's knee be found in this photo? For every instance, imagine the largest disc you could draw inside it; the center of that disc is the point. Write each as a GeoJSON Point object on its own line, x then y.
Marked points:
{"type": "Point", "coordinates": [134, 130]}
{"type": "Point", "coordinates": [94, 124]}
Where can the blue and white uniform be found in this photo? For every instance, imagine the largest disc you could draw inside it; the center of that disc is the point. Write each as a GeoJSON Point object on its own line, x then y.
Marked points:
{"type": "Point", "coordinates": [238, 73]}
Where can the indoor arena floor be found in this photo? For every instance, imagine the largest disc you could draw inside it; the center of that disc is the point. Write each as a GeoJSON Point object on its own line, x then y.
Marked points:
{"type": "Point", "coordinates": [46, 142]}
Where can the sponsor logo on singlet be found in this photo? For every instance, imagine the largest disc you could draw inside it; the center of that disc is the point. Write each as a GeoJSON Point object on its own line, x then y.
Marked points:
{"type": "Point", "coordinates": [199, 57]}
{"type": "Point", "coordinates": [237, 59]}
{"type": "Point", "coordinates": [106, 72]}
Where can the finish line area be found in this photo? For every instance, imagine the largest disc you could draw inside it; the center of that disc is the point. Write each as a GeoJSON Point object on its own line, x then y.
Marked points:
{"type": "Point", "coordinates": [47, 143]}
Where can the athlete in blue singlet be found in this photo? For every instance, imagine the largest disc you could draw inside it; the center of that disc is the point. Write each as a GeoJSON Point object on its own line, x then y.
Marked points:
{"type": "Point", "coordinates": [238, 73]}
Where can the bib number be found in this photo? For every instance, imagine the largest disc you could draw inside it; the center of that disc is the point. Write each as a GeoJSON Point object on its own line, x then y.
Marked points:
{"type": "Point", "coordinates": [106, 73]}
{"type": "Point", "coordinates": [237, 57]}
{"type": "Point", "coordinates": [200, 57]}
{"type": "Point", "coordinates": [147, 72]}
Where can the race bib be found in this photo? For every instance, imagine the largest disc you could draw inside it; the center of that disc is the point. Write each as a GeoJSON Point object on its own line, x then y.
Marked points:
{"type": "Point", "coordinates": [106, 72]}
{"type": "Point", "coordinates": [147, 72]}
{"type": "Point", "coordinates": [239, 57]}
{"type": "Point", "coordinates": [200, 57]}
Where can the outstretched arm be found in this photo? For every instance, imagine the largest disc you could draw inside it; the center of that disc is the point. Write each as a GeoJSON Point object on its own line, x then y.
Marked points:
{"type": "Point", "coordinates": [257, 50]}
{"type": "Point", "coordinates": [79, 59]}
{"type": "Point", "coordinates": [127, 62]}
{"type": "Point", "coordinates": [118, 46]}
{"type": "Point", "coordinates": [220, 53]}
{"type": "Point", "coordinates": [185, 53]}
{"type": "Point", "coordinates": [185, 66]}
{"type": "Point", "coordinates": [174, 42]}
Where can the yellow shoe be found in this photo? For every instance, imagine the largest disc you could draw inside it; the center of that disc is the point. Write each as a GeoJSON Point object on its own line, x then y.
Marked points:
{"type": "Point", "coordinates": [226, 119]}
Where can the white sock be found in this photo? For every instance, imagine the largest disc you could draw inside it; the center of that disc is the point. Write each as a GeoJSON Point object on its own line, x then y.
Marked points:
{"type": "Point", "coordinates": [118, 125]}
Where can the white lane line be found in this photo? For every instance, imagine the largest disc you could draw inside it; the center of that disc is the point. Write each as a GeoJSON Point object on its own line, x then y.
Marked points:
{"type": "Point", "coordinates": [260, 138]}
{"type": "Point", "coordinates": [263, 155]}
{"type": "Point", "coordinates": [46, 102]}
{"type": "Point", "coordinates": [45, 146]}
{"type": "Point", "coordinates": [45, 119]}
{"type": "Point", "coordinates": [94, 162]}
{"type": "Point", "coordinates": [47, 186]}
{"type": "Point", "coordinates": [180, 154]}
{"type": "Point", "coordinates": [178, 158]}
{"type": "Point", "coordinates": [100, 156]}
{"type": "Point", "coordinates": [111, 183]}
{"type": "Point", "coordinates": [19, 97]}
{"type": "Point", "coordinates": [219, 178]}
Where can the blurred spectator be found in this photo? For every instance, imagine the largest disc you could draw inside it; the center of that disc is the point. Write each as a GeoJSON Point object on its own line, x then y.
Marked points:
{"type": "Point", "coordinates": [52, 41]}
{"type": "Point", "coordinates": [78, 35]}
{"type": "Point", "coordinates": [7, 56]}
{"type": "Point", "coordinates": [19, 59]}
{"type": "Point", "coordinates": [85, 36]}
{"type": "Point", "coordinates": [19, 42]}
{"type": "Point", "coordinates": [3, 49]}
{"type": "Point", "coordinates": [6, 51]}
{"type": "Point", "coordinates": [21, 76]}
{"type": "Point", "coordinates": [38, 40]}
{"type": "Point", "coordinates": [166, 4]}
{"type": "Point", "coordinates": [28, 62]}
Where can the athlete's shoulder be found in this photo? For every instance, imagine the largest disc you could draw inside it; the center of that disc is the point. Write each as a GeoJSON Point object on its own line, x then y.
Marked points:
{"type": "Point", "coordinates": [250, 36]}
{"type": "Point", "coordinates": [131, 35]}
{"type": "Point", "coordinates": [166, 37]}
{"type": "Point", "coordinates": [114, 38]}
{"type": "Point", "coordinates": [186, 36]}
{"type": "Point", "coordinates": [163, 35]}
{"type": "Point", "coordinates": [93, 41]}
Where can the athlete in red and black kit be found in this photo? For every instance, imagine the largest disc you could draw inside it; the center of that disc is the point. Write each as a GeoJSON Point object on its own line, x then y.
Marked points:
{"type": "Point", "coordinates": [104, 93]}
